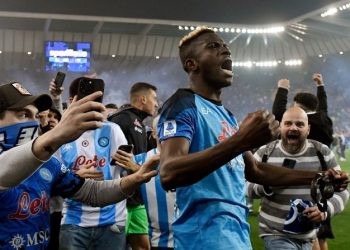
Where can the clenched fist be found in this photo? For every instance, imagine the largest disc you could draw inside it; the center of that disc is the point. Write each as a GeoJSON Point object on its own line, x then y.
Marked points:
{"type": "Point", "coordinates": [258, 129]}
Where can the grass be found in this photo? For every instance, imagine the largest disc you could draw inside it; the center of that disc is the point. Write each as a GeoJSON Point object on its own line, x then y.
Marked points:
{"type": "Point", "coordinates": [340, 223]}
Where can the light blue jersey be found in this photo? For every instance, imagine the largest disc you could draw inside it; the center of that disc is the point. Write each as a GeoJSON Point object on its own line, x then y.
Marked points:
{"type": "Point", "coordinates": [94, 145]}
{"type": "Point", "coordinates": [212, 213]}
{"type": "Point", "coordinates": [159, 206]}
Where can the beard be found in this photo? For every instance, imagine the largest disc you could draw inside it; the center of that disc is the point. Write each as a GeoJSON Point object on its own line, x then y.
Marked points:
{"type": "Point", "coordinates": [293, 147]}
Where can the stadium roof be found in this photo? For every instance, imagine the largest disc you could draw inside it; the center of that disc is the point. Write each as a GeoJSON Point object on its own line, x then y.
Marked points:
{"type": "Point", "coordinates": [154, 27]}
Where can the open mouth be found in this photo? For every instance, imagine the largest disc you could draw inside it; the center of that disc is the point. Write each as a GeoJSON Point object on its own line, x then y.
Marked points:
{"type": "Point", "coordinates": [293, 137]}
{"type": "Point", "coordinates": [227, 66]}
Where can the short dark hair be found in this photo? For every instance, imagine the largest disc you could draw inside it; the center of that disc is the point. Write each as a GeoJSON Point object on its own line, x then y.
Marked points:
{"type": "Point", "coordinates": [111, 106]}
{"type": "Point", "coordinates": [141, 86]}
{"type": "Point", "coordinates": [57, 112]}
{"type": "Point", "coordinates": [308, 101]}
{"type": "Point", "coordinates": [185, 48]}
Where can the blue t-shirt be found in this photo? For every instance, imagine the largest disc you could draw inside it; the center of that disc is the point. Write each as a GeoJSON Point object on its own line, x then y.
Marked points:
{"type": "Point", "coordinates": [212, 212]}
{"type": "Point", "coordinates": [25, 211]}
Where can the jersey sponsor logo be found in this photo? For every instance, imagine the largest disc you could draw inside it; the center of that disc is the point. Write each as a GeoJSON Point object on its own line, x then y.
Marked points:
{"type": "Point", "coordinates": [103, 142]}
{"type": "Point", "coordinates": [37, 238]}
{"type": "Point", "coordinates": [27, 207]}
{"type": "Point", "coordinates": [85, 143]}
{"type": "Point", "coordinates": [17, 242]}
{"type": "Point", "coordinates": [169, 127]}
{"type": "Point", "coordinates": [226, 131]}
{"type": "Point", "coordinates": [81, 160]}
{"type": "Point", "coordinates": [206, 111]}
{"type": "Point", "coordinates": [45, 174]}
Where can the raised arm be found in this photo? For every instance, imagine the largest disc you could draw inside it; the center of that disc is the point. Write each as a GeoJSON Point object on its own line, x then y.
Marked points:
{"type": "Point", "coordinates": [280, 103]}
{"type": "Point", "coordinates": [56, 95]}
{"type": "Point", "coordinates": [20, 162]}
{"type": "Point", "coordinates": [321, 93]}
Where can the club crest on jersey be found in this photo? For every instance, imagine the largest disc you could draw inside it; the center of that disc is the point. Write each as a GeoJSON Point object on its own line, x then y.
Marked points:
{"type": "Point", "coordinates": [169, 128]}
{"type": "Point", "coordinates": [45, 174]}
{"type": "Point", "coordinates": [103, 142]}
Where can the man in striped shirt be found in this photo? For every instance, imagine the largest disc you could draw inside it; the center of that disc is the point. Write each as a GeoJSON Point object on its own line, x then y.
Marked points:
{"type": "Point", "coordinates": [295, 151]}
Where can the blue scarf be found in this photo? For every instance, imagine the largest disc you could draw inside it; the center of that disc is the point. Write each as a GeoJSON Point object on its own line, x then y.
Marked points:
{"type": "Point", "coordinates": [17, 134]}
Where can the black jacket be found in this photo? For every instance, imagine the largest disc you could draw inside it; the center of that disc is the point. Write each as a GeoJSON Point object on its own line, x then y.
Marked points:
{"type": "Point", "coordinates": [130, 121]}
{"type": "Point", "coordinates": [321, 126]}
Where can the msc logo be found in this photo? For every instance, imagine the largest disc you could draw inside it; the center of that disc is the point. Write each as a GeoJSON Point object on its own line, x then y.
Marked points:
{"type": "Point", "coordinates": [35, 239]}
{"type": "Point", "coordinates": [169, 128]}
{"type": "Point", "coordinates": [17, 241]}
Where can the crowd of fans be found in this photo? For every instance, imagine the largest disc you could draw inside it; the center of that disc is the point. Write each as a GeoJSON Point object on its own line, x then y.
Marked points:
{"type": "Point", "coordinates": [199, 146]}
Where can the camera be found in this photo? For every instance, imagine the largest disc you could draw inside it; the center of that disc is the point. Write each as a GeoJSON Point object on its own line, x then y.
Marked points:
{"type": "Point", "coordinates": [322, 188]}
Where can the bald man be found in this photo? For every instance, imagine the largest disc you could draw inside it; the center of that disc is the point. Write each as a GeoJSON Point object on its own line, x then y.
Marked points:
{"type": "Point", "coordinates": [293, 150]}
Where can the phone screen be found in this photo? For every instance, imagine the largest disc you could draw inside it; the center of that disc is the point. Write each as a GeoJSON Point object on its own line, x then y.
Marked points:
{"type": "Point", "coordinates": [289, 163]}
{"type": "Point", "coordinates": [88, 86]}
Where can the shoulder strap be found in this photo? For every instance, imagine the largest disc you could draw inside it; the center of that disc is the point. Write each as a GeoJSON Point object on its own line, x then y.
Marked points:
{"type": "Point", "coordinates": [320, 156]}
{"type": "Point", "coordinates": [268, 150]}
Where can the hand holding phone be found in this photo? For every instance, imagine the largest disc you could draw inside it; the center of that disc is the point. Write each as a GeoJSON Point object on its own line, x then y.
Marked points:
{"type": "Point", "coordinates": [59, 79]}
{"type": "Point", "coordinates": [125, 148]}
{"type": "Point", "coordinates": [88, 86]}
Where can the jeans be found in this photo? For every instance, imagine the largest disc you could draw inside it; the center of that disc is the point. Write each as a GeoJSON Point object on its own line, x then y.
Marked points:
{"type": "Point", "coordinates": [73, 237]}
{"type": "Point", "coordinates": [275, 242]}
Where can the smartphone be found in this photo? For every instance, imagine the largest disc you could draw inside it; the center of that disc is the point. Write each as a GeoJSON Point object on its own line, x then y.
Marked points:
{"type": "Point", "coordinates": [126, 148]}
{"type": "Point", "coordinates": [289, 163]}
{"type": "Point", "coordinates": [59, 79]}
{"type": "Point", "coordinates": [88, 86]}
